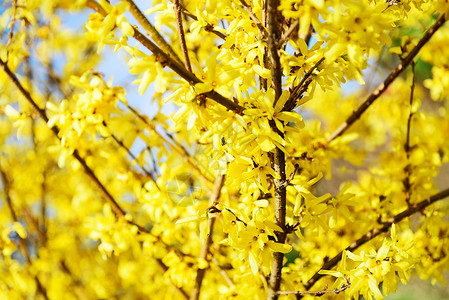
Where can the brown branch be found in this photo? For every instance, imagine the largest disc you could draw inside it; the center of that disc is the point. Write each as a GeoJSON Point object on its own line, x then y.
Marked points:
{"type": "Point", "coordinates": [206, 246]}
{"type": "Point", "coordinates": [259, 25]}
{"type": "Point", "coordinates": [393, 75]}
{"type": "Point", "coordinates": [343, 287]}
{"type": "Point", "coordinates": [94, 5]}
{"type": "Point", "coordinates": [153, 160]}
{"type": "Point", "coordinates": [11, 30]}
{"type": "Point", "coordinates": [274, 34]}
{"type": "Point", "coordinates": [263, 85]}
{"type": "Point", "coordinates": [182, 38]}
{"type": "Point", "coordinates": [184, 73]}
{"type": "Point", "coordinates": [288, 32]}
{"type": "Point", "coordinates": [280, 213]}
{"type": "Point", "coordinates": [208, 27]}
{"type": "Point", "coordinates": [278, 160]}
{"type": "Point", "coordinates": [79, 285]}
{"type": "Point", "coordinates": [385, 226]}
{"type": "Point", "coordinates": [406, 182]}
{"type": "Point", "coordinates": [177, 67]}
{"type": "Point", "coordinates": [298, 91]}
{"type": "Point", "coordinates": [152, 32]}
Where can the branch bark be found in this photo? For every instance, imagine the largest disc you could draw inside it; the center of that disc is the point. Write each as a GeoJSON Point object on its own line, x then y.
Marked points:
{"type": "Point", "coordinates": [274, 34]}
{"type": "Point", "coordinates": [407, 170]}
{"type": "Point", "coordinates": [298, 91]}
{"type": "Point", "coordinates": [393, 75]}
{"type": "Point", "coordinates": [259, 25]}
{"type": "Point", "coordinates": [152, 32]}
{"type": "Point", "coordinates": [343, 287]}
{"type": "Point", "coordinates": [182, 38]}
{"type": "Point", "coordinates": [414, 208]}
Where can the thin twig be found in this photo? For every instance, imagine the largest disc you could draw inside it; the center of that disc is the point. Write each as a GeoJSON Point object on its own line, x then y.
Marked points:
{"type": "Point", "coordinates": [288, 32]}
{"type": "Point", "coordinates": [22, 242]}
{"type": "Point", "coordinates": [182, 38]}
{"type": "Point", "coordinates": [385, 226]}
{"type": "Point", "coordinates": [308, 35]}
{"type": "Point", "coordinates": [173, 145]}
{"type": "Point", "coordinates": [278, 159]}
{"type": "Point", "coordinates": [298, 91]}
{"type": "Point", "coordinates": [406, 182]}
{"type": "Point", "coordinates": [223, 272]}
{"type": "Point", "coordinates": [153, 160]}
{"type": "Point", "coordinates": [11, 30]}
{"type": "Point", "coordinates": [134, 158]}
{"type": "Point", "coordinates": [343, 287]}
{"type": "Point", "coordinates": [77, 281]}
{"type": "Point", "coordinates": [259, 25]}
{"type": "Point", "coordinates": [208, 27]}
{"type": "Point", "coordinates": [393, 75]}
{"type": "Point", "coordinates": [152, 32]}
{"type": "Point", "coordinates": [219, 181]}
{"type": "Point", "coordinates": [165, 269]}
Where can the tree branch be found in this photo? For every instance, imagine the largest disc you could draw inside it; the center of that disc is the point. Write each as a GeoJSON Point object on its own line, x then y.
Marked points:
{"type": "Point", "coordinates": [188, 76]}
{"type": "Point", "coordinates": [274, 34]}
{"type": "Point", "coordinates": [393, 75]}
{"type": "Point", "coordinates": [208, 27]}
{"type": "Point", "coordinates": [178, 68]}
{"type": "Point", "coordinates": [343, 287]}
{"type": "Point", "coordinates": [406, 182]}
{"type": "Point", "coordinates": [413, 208]}
{"type": "Point", "coordinates": [298, 91]}
{"type": "Point", "coordinates": [288, 32]}
{"type": "Point", "coordinates": [152, 32]}
{"type": "Point", "coordinates": [11, 30]}
{"type": "Point", "coordinates": [182, 38]}
{"type": "Point", "coordinates": [206, 246]}
{"type": "Point", "coordinates": [259, 25]}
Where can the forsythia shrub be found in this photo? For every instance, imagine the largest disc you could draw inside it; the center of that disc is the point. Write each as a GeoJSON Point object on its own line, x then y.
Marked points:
{"type": "Point", "coordinates": [227, 188]}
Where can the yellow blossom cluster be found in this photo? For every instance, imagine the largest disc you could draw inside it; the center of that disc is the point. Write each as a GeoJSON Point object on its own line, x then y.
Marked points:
{"type": "Point", "coordinates": [252, 167]}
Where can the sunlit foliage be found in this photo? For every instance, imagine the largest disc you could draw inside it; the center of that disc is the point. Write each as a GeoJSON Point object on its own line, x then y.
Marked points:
{"type": "Point", "coordinates": [269, 166]}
